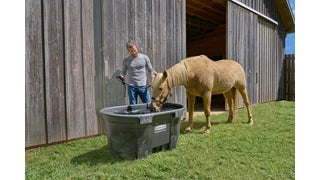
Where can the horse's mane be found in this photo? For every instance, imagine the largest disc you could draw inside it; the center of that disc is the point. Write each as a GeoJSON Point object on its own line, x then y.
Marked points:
{"type": "Point", "coordinates": [178, 74]}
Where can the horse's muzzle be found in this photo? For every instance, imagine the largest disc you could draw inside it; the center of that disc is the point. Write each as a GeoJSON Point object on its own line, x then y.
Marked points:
{"type": "Point", "coordinates": [154, 107]}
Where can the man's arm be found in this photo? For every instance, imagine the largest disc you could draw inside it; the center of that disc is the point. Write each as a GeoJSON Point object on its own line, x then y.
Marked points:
{"type": "Point", "coordinates": [150, 70]}
{"type": "Point", "coordinates": [123, 72]}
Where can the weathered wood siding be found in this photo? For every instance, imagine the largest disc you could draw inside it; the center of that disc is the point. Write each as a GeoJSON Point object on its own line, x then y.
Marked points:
{"type": "Point", "coordinates": [258, 45]}
{"type": "Point", "coordinates": [35, 122]}
{"type": "Point", "coordinates": [54, 70]}
{"type": "Point", "coordinates": [241, 40]}
{"type": "Point", "coordinates": [98, 62]}
{"type": "Point", "coordinates": [265, 7]}
{"type": "Point", "coordinates": [270, 49]}
{"type": "Point", "coordinates": [158, 28]}
{"type": "Point", "coordinates": [60, 71]}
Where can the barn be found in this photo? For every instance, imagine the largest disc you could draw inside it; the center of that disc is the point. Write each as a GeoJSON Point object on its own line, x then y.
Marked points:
{"type": "Point", "coordinates": [74, 50]}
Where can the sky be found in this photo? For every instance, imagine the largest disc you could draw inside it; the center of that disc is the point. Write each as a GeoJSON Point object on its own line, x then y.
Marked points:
{"type": "Point", "coordinates": [290, 39]}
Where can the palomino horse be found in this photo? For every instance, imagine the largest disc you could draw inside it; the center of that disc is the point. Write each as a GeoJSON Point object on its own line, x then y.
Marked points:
{"type": "Point", "coordinates": [202, 77]}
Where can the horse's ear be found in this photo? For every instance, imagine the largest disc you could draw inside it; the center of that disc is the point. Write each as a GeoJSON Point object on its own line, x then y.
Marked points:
{"type": "Point", "coordinates": [154, 72]}
{"type": "Point", "coordinates": [165, 74]}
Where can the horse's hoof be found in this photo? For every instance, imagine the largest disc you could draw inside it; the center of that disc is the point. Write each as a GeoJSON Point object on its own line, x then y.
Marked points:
{"type": "Point", "coordinates": [186, 131]}
{"type": "Point", "coordinates": [206, 132]}
{"type": "Point", "coordinates": [250, 122]}
{"type": "Point", "coordinates": [228, 122]}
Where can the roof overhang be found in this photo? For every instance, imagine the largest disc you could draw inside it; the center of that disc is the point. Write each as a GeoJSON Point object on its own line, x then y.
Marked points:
{"type": "Point", "coordinates": [286, 15]}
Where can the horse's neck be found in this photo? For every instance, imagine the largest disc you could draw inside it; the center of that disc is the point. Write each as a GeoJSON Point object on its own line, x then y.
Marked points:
{"type": "Point", "coordinates": [178, 75]}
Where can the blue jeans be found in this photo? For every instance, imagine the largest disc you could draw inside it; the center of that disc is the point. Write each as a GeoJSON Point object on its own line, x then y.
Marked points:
{"type": "Point", "coordinates": [142, 91]}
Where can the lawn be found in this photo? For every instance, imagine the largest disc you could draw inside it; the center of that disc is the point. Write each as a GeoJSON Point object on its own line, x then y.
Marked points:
{"type": "Point", "coordinates": [231, 151]}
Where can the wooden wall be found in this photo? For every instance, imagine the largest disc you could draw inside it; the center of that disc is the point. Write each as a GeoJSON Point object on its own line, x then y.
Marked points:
{"type": "Point", "coordinates": [270, 58]}
{"type": "Point", "coordinates": [60, 71]}
{"type": "Point", "coordinates": [158, 27]}
{"type": "Point", "coordinates": [258, 45]}
{"type": "Point", "coordinates": [265, 7]}
{"type": "Point", "coordinates": [74, 50]}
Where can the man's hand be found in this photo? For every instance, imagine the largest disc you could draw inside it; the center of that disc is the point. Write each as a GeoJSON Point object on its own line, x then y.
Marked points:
{"type": "Point", "coordinates": [121, 78]}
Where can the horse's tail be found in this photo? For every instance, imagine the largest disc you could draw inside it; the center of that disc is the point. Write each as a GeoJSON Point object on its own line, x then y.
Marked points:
{"type": "Point", "coordinates": [234, 95]}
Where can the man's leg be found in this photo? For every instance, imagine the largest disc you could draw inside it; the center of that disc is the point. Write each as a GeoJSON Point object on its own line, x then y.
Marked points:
{"type": "Point", "coordinates": [144, 95]}
{"type": "Point", "coordinates": [132, 93]}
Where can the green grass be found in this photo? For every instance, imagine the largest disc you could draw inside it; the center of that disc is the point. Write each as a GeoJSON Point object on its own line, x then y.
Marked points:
{"type": "Point", "coordinates": [231, 151]}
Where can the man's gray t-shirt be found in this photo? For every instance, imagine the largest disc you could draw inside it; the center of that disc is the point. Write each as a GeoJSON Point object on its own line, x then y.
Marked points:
{"type": "Point", "coordinates": [136, 69]}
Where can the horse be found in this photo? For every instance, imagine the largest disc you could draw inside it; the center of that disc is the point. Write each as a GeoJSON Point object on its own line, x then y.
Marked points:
{"type": "Point", "coordinates": [203, 77]}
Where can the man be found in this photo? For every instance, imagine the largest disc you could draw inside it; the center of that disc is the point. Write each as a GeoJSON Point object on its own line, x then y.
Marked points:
{"type": "Point", "coordinates": [136, 65]}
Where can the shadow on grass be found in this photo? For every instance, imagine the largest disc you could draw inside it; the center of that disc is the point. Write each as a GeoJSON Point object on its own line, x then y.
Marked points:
{"type": "Point", "coordinates": [199, 125]}
{"type": "Point", "coordinates": [202, 124]}
{"type": "Point", "coordinates": [99, 156]}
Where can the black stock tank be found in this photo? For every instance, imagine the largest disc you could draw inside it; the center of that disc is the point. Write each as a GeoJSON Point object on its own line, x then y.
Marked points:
{"type": "Point", "coordinates": [134, 131]}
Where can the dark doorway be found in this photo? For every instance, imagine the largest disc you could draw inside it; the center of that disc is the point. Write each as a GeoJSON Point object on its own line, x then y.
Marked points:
{"type": "Point", "coordinates": [206, 34]}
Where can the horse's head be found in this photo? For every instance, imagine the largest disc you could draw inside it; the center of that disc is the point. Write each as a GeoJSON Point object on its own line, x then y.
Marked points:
{"type": "Point", "coordinates": [161, 91]}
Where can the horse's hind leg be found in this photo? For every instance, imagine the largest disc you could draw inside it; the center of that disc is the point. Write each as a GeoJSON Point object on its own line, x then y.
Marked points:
{"type": "Point", "coordinates": [191, 101]}
{"type": "Point", "coordinates": [245, 98]}
{"type": "Point", "coordinates": [207, 107]}
{"type": "Point", "coordinates": [234, 95]}
{"type": "Point", "coordinates": [227, 96]}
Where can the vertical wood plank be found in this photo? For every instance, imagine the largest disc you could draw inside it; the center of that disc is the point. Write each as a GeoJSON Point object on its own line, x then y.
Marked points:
{"type": "Point", "coordinates": [276, 65]}
{"type": "Point", "coordinates": [115, 37]}
{"type": "Point", "coordinates": [264, 68]}
{"type": "Point", "coordinates": [267, 62]}
{"type": "Point", "coordinates": [140, 25]}
{"type": "Point", "coordinates": [115, 89]}
{"type": "Point", "coordinates": [76, 125]}
{"type": "Point", "coordinates": [149, 35]}
{"type": "Point", "coordinates": [183, 29]}
{"type": "Point", "coordinates": [275, 80]}
{"type": "Point", "coordinates": [131, 11]}
{"type": "Point", "coordinates": [258, 62]}
{"type": "Point", "coordinates": [54, 65]}
{"type": "Point", "coordinates": [262, 47]}
{"type": "Point", "coordinates": [177, 43]}
{"type": "Point", "coordinates": [229, 30]}
{"type": "Point", "coordinates": [262, 61]}
{"type": "Point", "coordinates": [35, 125]}
{"type": "Point", "coordinates": [108, 38]}
{"type": "Point", "coordinates": [120, 32]}
{"type": "Point", "coordinates": [162, 23]}
{"type": "Point", "coordinates": [156, 35]}
{"type": "Point", "coordinates": [251, 59]}
{"type": "Point", "coordinates": [99, 63]}
{"type": "Point", "coordinates": [170, 32]}
{"type": "Point", "coordinates": [89, 67]}
{"type": "Point", "coordinates": [183, 97]}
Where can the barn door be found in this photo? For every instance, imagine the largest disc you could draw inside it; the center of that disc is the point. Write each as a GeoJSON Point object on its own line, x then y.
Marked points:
{"type": "Point", "coordinates": [242, 45]}
{"type": "Point", "coordinates": [268, 73]}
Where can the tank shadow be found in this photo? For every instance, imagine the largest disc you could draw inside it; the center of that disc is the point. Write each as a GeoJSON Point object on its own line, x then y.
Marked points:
{"type": "Point", "coordinates": [99, 156]}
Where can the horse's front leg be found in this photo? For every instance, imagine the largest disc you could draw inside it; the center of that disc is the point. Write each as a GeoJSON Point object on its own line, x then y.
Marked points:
{"type": "Point", "coordinates": [191, 101]}
{"type": "Point", "coordinates": [207, 107]}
